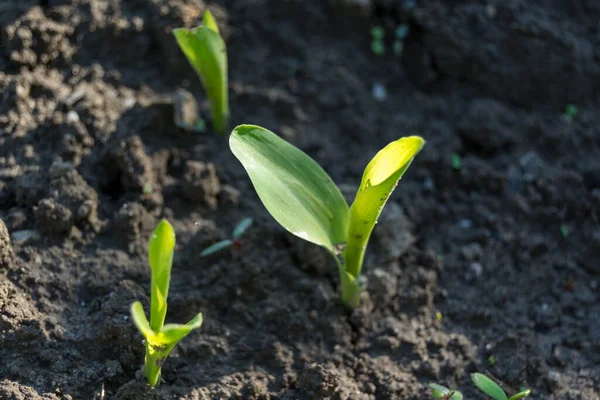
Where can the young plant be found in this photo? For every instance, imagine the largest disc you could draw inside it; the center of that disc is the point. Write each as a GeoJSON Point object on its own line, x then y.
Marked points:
{"type": "Point", "coordinates": [492, 389]}
{"type": "Point", "coordinates": [235, 241]}
{"type": "Point", "coordinates": [160, 338]}
{"type": "Point", "coordinates": [205, 50]}
{"type": "Point", "coordinates": [443, 393]}
{"type": "Point", "coordinates": [304, 199]}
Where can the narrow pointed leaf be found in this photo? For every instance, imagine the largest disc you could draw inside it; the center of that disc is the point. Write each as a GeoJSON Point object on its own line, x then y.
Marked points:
{"type": "Point", "coordinates": [173, 333]}
{"type": "Point", "coordinates": [160, 256]}
{"type": "Point", "coordinates": [488, 386]}
{"type": "Point", "coordinates": [379, 180]}
{"type": "Point", "coordinates": [292, 186]}
{"type": "Point", "coordinates": [223, 244]}
{"type": "Point", "coordinates": [242, 227]}
{"type": "Point", "coordinates": [205, 50]}
{"type": "Point", "coordinates": [209, 21]}
{"type": "Point", "coordinates": [438, 390]}
{"type": "Point", "coordinates": [520, 395]}
{"type": "Point", "coordinates": [140, 320]}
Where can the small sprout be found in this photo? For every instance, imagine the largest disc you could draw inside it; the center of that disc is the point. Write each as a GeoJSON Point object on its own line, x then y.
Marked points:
{"type": "Point", "coordinates": [443, 393]}
{"type": "Point", "coordinates": [570, 112]}
{"type": "Point", "coordinates": [300, 195]}
{"type": "Point", "coordinates": [377, 45]}
{"type": "Point", "coordinates": [398, 47]}
{"type": "Point", "coordinates": [160, 339]}
{"type": "Point", "coordinates": [439, 316]}
{"type": "Point", "coordinates": [564, 231]}
{"type": "Point", "coordinates": [147, 188]}
{"type": "Point", "coordinates": [205, 50]}
{"type": "Point", "coordinates": [402, 31]}
{"type": "Point", "coordinates": [491, 360]}
{"type": "Point", "coordinates": [492, 389]}
{"type": "Point", "coordinates": [238, 231]}
{"type": "Point", "coordinates": [456, 161]}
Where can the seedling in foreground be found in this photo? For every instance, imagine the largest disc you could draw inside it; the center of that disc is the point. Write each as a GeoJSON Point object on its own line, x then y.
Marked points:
{"type": "Point", "coordinates": [492, 389]}
{"type": "Point", "coordinates": [235, 241]}
{"type": "Point", "coordinates": [160, 338]}
{"type": "Point", "coordinates": [443, 393]}
{"type": "Point", "coordinates": [304, 200]}
{"type": "Point", "coordinates": [205, 50]}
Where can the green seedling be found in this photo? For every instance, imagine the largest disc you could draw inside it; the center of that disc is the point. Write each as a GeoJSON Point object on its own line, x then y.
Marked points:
{"type": "Point", "coordinates": [492, 389]}
{"type": "Point", "coordinates": [443, 393]}
{"type": "Point", "coordinates": [570, 112]}
{"type": "Point", "coordinates": [160, 338]}
{"type": "Point", "coordinates": [564, 231]}
{"type": "Point", "coordinates": [377, 45]}
{"type": "Point", "coordinates": [456, 161]}
{"type": "Point", "coordinates": [401, 34]}
{"type": "Point", "coordinates": [491, 360]}
{"type": "Point", "coordinates": [234, 242]}
{"type": "Point", "coordinates": [300, 195]}
{"type": "Point", "coordinates": [205, 50]}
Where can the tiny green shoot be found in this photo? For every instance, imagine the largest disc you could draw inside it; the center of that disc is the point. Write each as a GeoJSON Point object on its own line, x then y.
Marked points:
{"type": "Point", "coordinates": [564, 231]}
{"type": "Point", "coordinates": [160, 338]}
{"type": "Point", "coordinates": [439, 316]}
{"type": "Point", "coordinates": [401, 34]}
{"type": "Point", "coordinates": [206, 52]}
{"type": "Point", "coordinates": [456, 161]}
{"type": "Point", "coordinates": [491, 360]}
{"type": "Point", "coordinates": [570, 112]}
{"type": "Point", "coordinates": [300, 195]}
{"type": "Point", "coordinates": [147, 189]}
{"type": "Point", "coordinates": [493, 390]}
{"type": "Point", "coordinates": [377, 45]}
{"type": "Point", "coordinates": [443, 393]}
{"type": "Point", "coordinates": [234, 242]}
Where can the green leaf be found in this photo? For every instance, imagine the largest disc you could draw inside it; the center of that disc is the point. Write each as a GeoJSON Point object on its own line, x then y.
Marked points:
{"type": "Point", "coordinates": [242, 227]}
{"type": "Point", "coordinates": [140, 320]}
{"type": "Point", "coordinates": [205, 50]}
{"type": "Point", "coordinates": [488, 386]}
{"type": "Point", "coordinates": [520, 395]}
{"type": "Point", "coordinates": [223, 244]}
{"type": "Point", "coordinates": [292, 186]}
{"type": "Point", "coordinates": [173, 333]}
{"type": "Point", "coordinates": [160, 256]}
{"type": "Point", "coordinates": [442, 392]}
{"type": "Point", "coordinates": [379, 180]}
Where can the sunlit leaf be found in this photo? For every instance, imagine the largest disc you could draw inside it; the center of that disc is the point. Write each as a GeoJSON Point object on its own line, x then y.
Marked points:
{"type": "Point", "coordinates": [293, 187]}
{"type": "Point", "coordinates": [223, 244]}
{"type": "Point", "coordinates": [160, 256]}
{"type": "Point", "coordinates": [140, 320]}
{"type": "Point", "coordinates": [379, 180]}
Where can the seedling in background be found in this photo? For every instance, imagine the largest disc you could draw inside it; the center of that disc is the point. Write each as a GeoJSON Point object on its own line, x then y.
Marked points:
{"type": "Point", "coordinates": [443, 393]}
{"type": "Point", "coordinates": [570, 112]}
{"type": "Point", "coordinates": [456, 161]}
{"type": "Point", "coordinates": [205, 50]}
{"type": "Point", "coordinates": [401, 34]}
{"type": "Point", "coordinates": [234, 242]}
{"type": "Point", "coordinates": [160, 338]}
{"type": "Point", "coordinates": [377, 45]}
{"type": "Point", "coordinates": [304, 199]}
{"type": "Point", "coordinates": [492, 389]}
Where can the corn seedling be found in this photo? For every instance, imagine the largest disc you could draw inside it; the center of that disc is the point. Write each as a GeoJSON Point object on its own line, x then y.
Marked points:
{"type": "Point", "coordinates": [205, 50]}
{"type": "Point", "coordinates": [234, 242]}
{"type": "Point", "coordinates": [377, 45]}
{"type": "Point", "coordinates": [492, 389]}
{"type": "Point", "coordinates": [443, 393]}
{"type": "Point", "coordinates": [300, 195]}
{"type": "Point", "coordinates": [570, 112]}
{"type": "Point", "coordinates": [160, 338]}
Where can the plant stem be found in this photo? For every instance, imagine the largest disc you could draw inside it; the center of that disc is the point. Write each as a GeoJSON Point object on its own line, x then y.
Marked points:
{"type": "Point", "coordinates": [220, 112]}
{"type": "Point", "coordinates": [349, 288]}
{"type": "Point", "coordinates": [152, 365]}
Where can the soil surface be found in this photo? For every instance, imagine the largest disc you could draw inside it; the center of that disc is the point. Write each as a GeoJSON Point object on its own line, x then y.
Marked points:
{"type": "Point", "coordinates": [490, 246]}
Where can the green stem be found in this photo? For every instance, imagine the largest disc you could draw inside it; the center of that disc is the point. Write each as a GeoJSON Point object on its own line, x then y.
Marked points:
{"type": "Point", "coordinates": [153, 365]}
{"type": "Point", "coordinates": [220, 113]}
{"type": "Point", "coordinates": [349, 288]}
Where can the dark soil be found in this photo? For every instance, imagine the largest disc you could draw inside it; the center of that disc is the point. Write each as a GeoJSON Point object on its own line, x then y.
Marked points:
{"type": "Point", "coordinates": [506, 247]}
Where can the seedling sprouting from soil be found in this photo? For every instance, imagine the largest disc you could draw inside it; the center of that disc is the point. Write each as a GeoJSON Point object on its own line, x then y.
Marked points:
{"type": "Point", "coordinates": [160, 338]}
{"type": "Point", "coordinates": [304, 199]}
{"type": "Point", "coordinates": [570, 112]}
{"type": "Point", "coordinates": [205, 50]}
{"type": "Point", "coordinates": [492, 389]}
{"type": "Point", "coordinates": [401, 33]}
{"type": "Point", "coordinates": [443, 393]}
{"type": "Point", "coordinates": [234, 242]}
{"type": "Point", "coordinates": [377, 45]}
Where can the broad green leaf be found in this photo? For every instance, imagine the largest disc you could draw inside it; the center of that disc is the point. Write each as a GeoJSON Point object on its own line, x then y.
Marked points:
{"type": "Point", "coordinates": [292, 186]}
{"type": "Point", "coordinates": [140, 320]}
{"type": "Point", "coordinates": [242, 227]}
{"type": "Point", "coordinates": [488, 386]}
{"type": "Point", "coordinates": [379, 180]}
{"type": "Point", "coordinates": [160, 256]}
{"type": "Point", "coordinates": [520, 395]}
{"type": "Point", "coordinates": [205, 50]}
{"type": "Point", "coordinates": [223, 244]}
